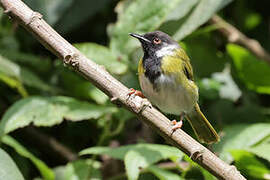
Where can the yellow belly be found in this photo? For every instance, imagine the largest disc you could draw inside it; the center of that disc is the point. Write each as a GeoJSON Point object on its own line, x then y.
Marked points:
{"type": "Point", "coordinates": [169, 96]}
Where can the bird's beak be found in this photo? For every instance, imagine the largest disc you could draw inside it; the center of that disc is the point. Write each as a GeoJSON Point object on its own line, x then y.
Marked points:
{"type": "Point", "coordinates": [139, 37]}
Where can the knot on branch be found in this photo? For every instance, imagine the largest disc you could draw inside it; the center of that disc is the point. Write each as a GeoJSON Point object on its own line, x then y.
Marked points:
{"type": "Point", "coordinates": [137, 104]}
{"type": "Point", "coordinates": [116, 101]}
{"type": "Point", "coordinates": [35, 16]}
{"type": "Point", "coordinates": [72, 60]}
{"type": "Point", "coordinates": [232, 171]}
{"type": "Point", "coordinates": [8, 11]}
{"type": "Point", "coordinates": [197, 154]}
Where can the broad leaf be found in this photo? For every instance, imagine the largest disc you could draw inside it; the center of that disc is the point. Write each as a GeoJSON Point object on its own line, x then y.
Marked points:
{"type": "Point", "coordinates": [8, 169]}
{"type": "Point", "coordinates": [249, 165]}
{"type": "Point", "coordinates": [13, 83]}
{"type": "Point", "coordinates": [9, 68]}
{"type": "Point", "coordinates": [163, 174]}
{"type": "Point", "coordinates": [52, 10]}
{"type": "Point", "coordinates": [79, 12]}
{"type": "Point", "coordinates": [253, 72]}
{"type": "Point", "coordinates": [37, 63]}
{"type": "Point", "coordinates": [137, 156]}
{"type": "Point", "coordinates": [138, 16]}
{"type": "Point", "coordinates": [210, 62]}
{"type": "Point", "coordinates": [261, 150]}
{"type": "Point", "coordinates": [10, 75]}
{"type": "Point", "coordinates": [134, 162]}
{"type": "Point", "coordinates": [32, 80]}
{"type": "Point", "coordinates": [202, 12]}
{"type": "Point", "coordinates": [102, 56]}
{"type": "Point", "coordinates": [80, 169]}
{"type": "Point", "coordinates": [17, 73]}
{"type": "Point", "coordinates": [240, 136]}
{"type": "Point", "coordinates": [44, 170]}
{"type": "Point", "coordinates": [80, 88]}
{"type": "Point", "coordinates": [182, 8]}
{"type": "Point", "coordinates": [228, 88]}
{"type": "Point", "coordinates": [49, 111]}
{"type": "Point", "coordinates": [155, 151]}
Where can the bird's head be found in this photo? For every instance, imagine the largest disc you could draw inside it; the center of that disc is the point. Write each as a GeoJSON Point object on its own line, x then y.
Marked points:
{"type": "Point", "coordinates": [156, 43]}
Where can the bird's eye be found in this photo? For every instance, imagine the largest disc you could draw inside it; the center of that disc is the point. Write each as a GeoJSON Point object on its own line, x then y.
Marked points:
{"type": "Point", "coordinates": [157, 41]}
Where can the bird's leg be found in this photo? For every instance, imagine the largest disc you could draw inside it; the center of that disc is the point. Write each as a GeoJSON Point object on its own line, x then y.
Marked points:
{"type": "Point", "coordinates": [144, 103]}
{"type": "Point", "coordinates": [136, 93]}
{"type": "Point", "coordinates": [178, 125]}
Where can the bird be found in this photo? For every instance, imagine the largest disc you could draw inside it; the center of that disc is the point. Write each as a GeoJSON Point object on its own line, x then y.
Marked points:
{"type": "Point", "coordinates": [166, 80]}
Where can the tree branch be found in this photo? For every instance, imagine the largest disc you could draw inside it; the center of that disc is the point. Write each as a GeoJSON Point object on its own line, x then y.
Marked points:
{"type": "Point", "coordinates": [233, 35]}
{"type": "Point", "coordinates": [118, 93]}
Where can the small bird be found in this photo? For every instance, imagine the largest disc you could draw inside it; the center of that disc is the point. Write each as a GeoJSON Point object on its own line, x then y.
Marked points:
{"type": "Point", "coordinates": [166, 79]}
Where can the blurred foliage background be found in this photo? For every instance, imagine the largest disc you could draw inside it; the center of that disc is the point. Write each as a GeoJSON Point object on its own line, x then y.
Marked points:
{"type": "Point", "coordinates": [56, 125]}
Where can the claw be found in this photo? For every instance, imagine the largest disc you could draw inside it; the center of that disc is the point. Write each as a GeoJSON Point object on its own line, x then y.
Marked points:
{"type": "Point", "coordinates": [177, 125]}
{"type": "Point", "coordinates": [136, 93]}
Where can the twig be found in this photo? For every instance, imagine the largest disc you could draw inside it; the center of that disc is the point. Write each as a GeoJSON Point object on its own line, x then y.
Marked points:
{"type": "Point", "coordinates": [52, 144]}
{"type": "Point", "coordinates": [118, 93]}
{"type": "Point", "coordinates": [233, 35]}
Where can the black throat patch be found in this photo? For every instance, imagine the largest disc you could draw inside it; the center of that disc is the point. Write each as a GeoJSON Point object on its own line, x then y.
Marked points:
{"type": "Point", "coordinates": [152, 66]}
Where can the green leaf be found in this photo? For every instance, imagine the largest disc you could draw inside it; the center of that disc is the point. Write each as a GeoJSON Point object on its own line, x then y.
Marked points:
{"type": "Point", "coordinates": [155, 151]}
{"type": "Point", "coordinates": [44, 170]}
{"type": "Point", "coordinates": [1, 13]}
{"type": "Point", "coordinates": [51, 10]}
{"type": "Point", "coordinates": [22, 75]}
{"type": "Point", "coordinates": [163, 174]}
{"type": "Point", "coordinates": [102, 56]}
{"type": "Point", "coordinates": [9, 170]}
{"type": "Point", "coordinates": [80, 88]}
{"type": "Point", "coordinates": [139, 16]}
{"type": "Point", "coordinates": [134, 162]}
{"type": "Point", "coordinates": [261, 150]}
{"type": "Point", "coordinates": [228, 89]}
{"type": "Point", "coordinates": [252, 20]}
{"type": "Point", "coordinates": [10, 75]}
{"type": "Point", "coordinates": [37, 63]}
{"type": "Point", "coordinates": [137, 156]}
{"type": "Point", "coordinates": [80, 169]}
{"type": "Point", "coordinates": [14, 83]}
{"type": "Point", "coordinates": [252, 71]}
{"type": "Point", "coordinates": [248, 165]}
{"type": "Point", "coordinates": [211, 61]}
{"type": "Point", "coordinates": [32, 80]}
{"type": "Point", "coordinates": [206, 174]}
{"type": "Point", "coordinates": [49, 111]}
{"type": "Point", "coordinates": [9, 68]}
{"type": "Point", "coordinates": [183, 7]}
{"type": "Point", "coordinates": [79, 12]}
{"type": "Point", "coordinates": [201, 13]}
{"type": "Point", "coordinates": [241, 136]}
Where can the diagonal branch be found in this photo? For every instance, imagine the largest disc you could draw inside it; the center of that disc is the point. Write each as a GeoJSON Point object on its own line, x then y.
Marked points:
{"type": "Point", "coordinates": [233, 35]}
{"type": "Point", "coordinates": [118, 93]}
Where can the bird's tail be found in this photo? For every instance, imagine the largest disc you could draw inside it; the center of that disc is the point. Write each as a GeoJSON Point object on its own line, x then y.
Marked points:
{"type": "Point", "coordinates": [202, 127]}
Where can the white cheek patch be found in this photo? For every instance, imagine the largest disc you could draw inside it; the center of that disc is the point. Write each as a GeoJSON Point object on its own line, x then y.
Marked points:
{"type": "Point", "coordinates": [167, 50]}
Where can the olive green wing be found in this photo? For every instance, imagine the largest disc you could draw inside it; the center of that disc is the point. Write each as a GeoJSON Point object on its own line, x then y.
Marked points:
{"type": "Point", "coordinates": [187, 68]}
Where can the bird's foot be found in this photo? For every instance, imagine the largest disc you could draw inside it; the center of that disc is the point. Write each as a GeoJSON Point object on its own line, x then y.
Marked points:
{"type": "Point", "coordinates": [143, 103]}
{"type": "Point", "coordinates": [177, 125]}
{"type": "Point", "coordinates": [135, 92]}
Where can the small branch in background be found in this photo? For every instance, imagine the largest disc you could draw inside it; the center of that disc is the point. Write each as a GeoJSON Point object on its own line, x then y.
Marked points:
{"type": "Point", "coordinates": [233, 35]}
{"type": "Point", "coordinates": [51, 144]}
{"type": "Point", "coordinates": [118, 93]}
